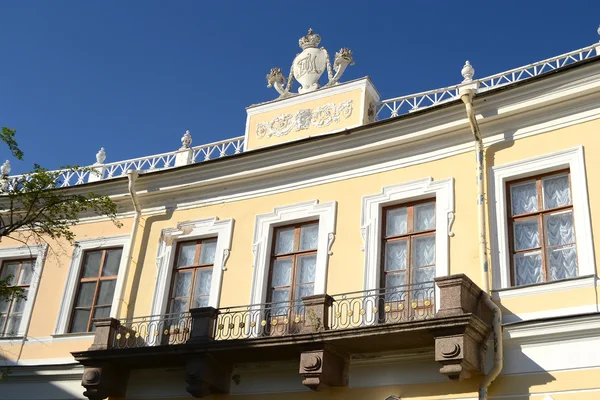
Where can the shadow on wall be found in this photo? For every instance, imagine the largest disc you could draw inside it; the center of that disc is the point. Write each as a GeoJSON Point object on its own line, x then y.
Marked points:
{"type": "Point", "coordinates": [49, 382]}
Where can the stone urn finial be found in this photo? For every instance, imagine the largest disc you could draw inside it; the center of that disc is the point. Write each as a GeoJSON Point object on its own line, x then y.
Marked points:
{"type": "Point", "coordinates": [467, 72]}
{"type": "Point", "coordinates": [100, 156]}
{"type": "Point", "coordinates": [186, 140]}
{"type": "Point", "coordinates": [5, 169]}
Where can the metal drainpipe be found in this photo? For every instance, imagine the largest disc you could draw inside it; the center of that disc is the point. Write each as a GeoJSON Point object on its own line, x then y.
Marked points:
{"type": "Point", "coordinates": [132, 175]}
{"type": "Point", "coordinates": [467, 98]}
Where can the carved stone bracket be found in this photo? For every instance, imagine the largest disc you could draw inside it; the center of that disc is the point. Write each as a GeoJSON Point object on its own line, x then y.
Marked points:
{"type": "Point", "coordinates": [323, 368]}
{"type": "Point", "coordinates": [205, 375]}
{"type": "Point", "coordinates": [317, 313]}
{"type": "Point", "coordinates": [102, 382]}
{"type": "Point", "coordinates": [460, 354]}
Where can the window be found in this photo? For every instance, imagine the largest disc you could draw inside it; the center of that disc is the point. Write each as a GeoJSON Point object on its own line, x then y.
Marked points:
{"type": "Point", "coordinates": [96, 288]}
{"type": "Point", "coordinates": [409, 245]}
{"type": "Point", "coordinates": [192, 275]}
{"type": "Point", "coordinates": [18, 273]}
{"type": "Point", "coordinates": [293, 262]}
{"type": "Point", "coordinates": [541, 229]}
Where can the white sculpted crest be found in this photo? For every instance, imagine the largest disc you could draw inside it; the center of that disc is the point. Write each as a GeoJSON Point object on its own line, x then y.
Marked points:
{"type": "Point", "coordinates": [321, 116]}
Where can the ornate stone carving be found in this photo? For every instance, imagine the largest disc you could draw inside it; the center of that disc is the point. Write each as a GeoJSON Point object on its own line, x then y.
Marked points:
{"type": "Point", "coordinates": [450, 222]}
{"type": "Point", "coordinates": [308, 66]}
{"type": "Point", "coordinates": [467, 72]}
{"type": "Point", "coordinates": [320, 117]}
{"type": "Point", "coordinates": [330, 240]}
{"type": "Point", "coordinates": [226, 253]}
{"type": "Point", "coordinates": [102, 382]}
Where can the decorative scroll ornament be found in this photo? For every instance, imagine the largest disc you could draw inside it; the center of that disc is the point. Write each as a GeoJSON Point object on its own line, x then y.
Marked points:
{"type": "Point", "coordinates": [321, 116]}
{"type": "Point", "coordinates": [308, 67]}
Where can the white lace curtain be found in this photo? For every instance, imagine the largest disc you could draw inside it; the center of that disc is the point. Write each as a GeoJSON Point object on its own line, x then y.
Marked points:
{"type": "Point", "coordinates": [558, 230]}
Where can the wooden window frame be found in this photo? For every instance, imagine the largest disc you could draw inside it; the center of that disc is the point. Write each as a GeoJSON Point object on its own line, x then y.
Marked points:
{"type": "Point", "coordinates": [295, 254]}
{"type": "Point", "coordinates": [96, 279]}
{"type": "Point", "coordinates": [539, 215]}
{"type": "Point", "coordinates": [18, 274]}
{"type": "Point", "coordinates": [195, 267]}
{"type": "Point", "coordinates": [410, 235]}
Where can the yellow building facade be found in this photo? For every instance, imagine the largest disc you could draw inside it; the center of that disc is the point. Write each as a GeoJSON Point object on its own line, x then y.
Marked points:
{"type": "Point", "coordinates": [335, 252]}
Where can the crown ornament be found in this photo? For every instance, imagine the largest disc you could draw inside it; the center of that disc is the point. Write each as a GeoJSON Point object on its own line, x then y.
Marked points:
{"type": "Point", "coordinates": [308, 66]}
{"type": "Point", "coordinates": [310, 40]}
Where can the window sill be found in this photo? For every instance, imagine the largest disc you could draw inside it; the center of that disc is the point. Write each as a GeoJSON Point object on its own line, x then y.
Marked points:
{"type": "Point", "coordinates": [67, 337]}
{"type": "Point", "coordinates": [10, 339]}
{"type": "Point", "coordinates": [546, 287]}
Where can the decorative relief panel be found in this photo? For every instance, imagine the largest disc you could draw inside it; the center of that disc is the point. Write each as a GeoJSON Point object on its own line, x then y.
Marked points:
{"type": "Point", "coordinates": [319, 117]}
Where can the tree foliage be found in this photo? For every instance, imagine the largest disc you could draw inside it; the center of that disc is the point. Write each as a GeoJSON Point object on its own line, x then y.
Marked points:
{"type": "Point", "coordinates": [35, 209]}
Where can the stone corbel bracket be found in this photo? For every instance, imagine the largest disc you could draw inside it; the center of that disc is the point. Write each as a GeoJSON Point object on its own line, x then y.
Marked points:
{"type": "Point", "coordinates": [323, 368]}
{"type": "Point", "coordinates": [104, 381]}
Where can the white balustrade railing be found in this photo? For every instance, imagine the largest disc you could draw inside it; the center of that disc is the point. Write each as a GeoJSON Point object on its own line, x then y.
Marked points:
{"type": "Point", "coordinates": [103, 171]}
{"type": "Point", "coordinates": [404, 104]}
{"type": "Point", "coordinates": [385, 109]}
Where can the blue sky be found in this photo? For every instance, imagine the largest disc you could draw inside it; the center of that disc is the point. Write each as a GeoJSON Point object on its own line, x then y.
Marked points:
{"type": "Point", "coordinates": [132, 76]}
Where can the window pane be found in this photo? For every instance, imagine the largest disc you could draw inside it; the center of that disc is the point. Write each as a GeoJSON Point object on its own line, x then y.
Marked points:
{"type": "Point", "coordinates": [19, 305]}
{"type": "Point", "coordinates": [528, 268]}
{"type": "Point", "coordinates": [111, 263]}
{"type": "Point", "coordinates": [280, 295]}
{"type": "Point", "coordinates": [106, 292]}
{"type": "Point", "coordinates": [559, 228]}
{"type": "Point", "coordinates": [203, 280]}
{"type": "Point", "coordinates": [309, 236]}
{"type": "Point", "coordinates": [562, 263]}
{"type": "Point", "coordinates": [423, 251]}
{"type": "Point", "coordinates": [4, 306]}
{"type": "Point", "coordinates": [2, 322]}
{"type": "Point", "coordinates": [207, 251]}
{"type": "Point", "coordinates": [395, 280]}
{"type": "Point", "coordinates": [179, 306]}
{"type": "Point", "coordinates": [12, 325]}
{"type": "Point", "coordinates": [80, 321]}
{"type": "Point", "coordinates": [183, 283]}
{"type": "Point", "coordinates": [421, 275]}
{"type": "Point", "coordinates": [557, 191]}
{"type": "Point", "coordinates": [101, 312]}
{"type": "Point", "coordinates": [91, 264]}
{"type": "Point", "coordinates": [86, 294]}
{"type": "Point", "coordinates": [395, 255]}
{"type": "Point", "coordinates": [307, 266]}
{"type": "Point", "coordinates": [282, 272]}
{"type": "Point", "coordinates": [424, 217]}
{"type": "Point", "coordinates": [284, 241]}
{"type": "Point", "coordinates": [201, 301]}
{"type": "Point", "coordinates": [187, 252]}
{"type": "Point", "coordinates": [396, 221]}
{"type": "Point", "coordinates": [26, 273]}
{"type": "Point", "coordinates": [527, 235]}
{"type": "Point", "coordinates": [304, 290]}
{"type": "Point", "coordinates": [10, 269]}
{"type": "Point", "coordinates": [523, 198]}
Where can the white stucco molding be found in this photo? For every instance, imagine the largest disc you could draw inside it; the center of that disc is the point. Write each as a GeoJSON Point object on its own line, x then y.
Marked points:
{"type": "Point", "coordinates": [222, 230]}
{"type": "Point", "coordinates": [573, 159]}
{"type": "Point", "coordinates": [81, 246]}
{"type": "Point", "coordinates": [371, 222]}
{"type": "Point", "coordinates": [37, 252]}
{"type": "Point", "coordinates": [325, 213]}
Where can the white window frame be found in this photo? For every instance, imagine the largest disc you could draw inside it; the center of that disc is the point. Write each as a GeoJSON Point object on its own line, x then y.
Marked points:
{"type": "Point", "coordinates": [18, 253]}
{"type": "Point", "coordinates": [573, 159]}
{"type": "Point", "coordinates": [324, 213]}
{"type": "Point", "coordinates": [205, 228]}
{"type": "Point", "coordinates": [442, 191]}
{"type": "Point", "coordinates": [81, 246]}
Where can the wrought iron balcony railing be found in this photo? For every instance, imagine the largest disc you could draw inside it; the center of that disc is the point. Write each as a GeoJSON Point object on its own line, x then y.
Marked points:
{"type": "Point", "coordinates": [259, 320]}
{"type": "Point", "coordinates": [381, 306]}
{"type": "Point", "coordinates": [153, 330]}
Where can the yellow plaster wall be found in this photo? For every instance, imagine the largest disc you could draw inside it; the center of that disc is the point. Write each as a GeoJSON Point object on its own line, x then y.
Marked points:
{"type": "Point", "coordinates": [356, 96]}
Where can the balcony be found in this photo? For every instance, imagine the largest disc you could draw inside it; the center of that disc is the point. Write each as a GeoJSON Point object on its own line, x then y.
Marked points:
{"type": "Point", "coordinates": [323, 332]}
